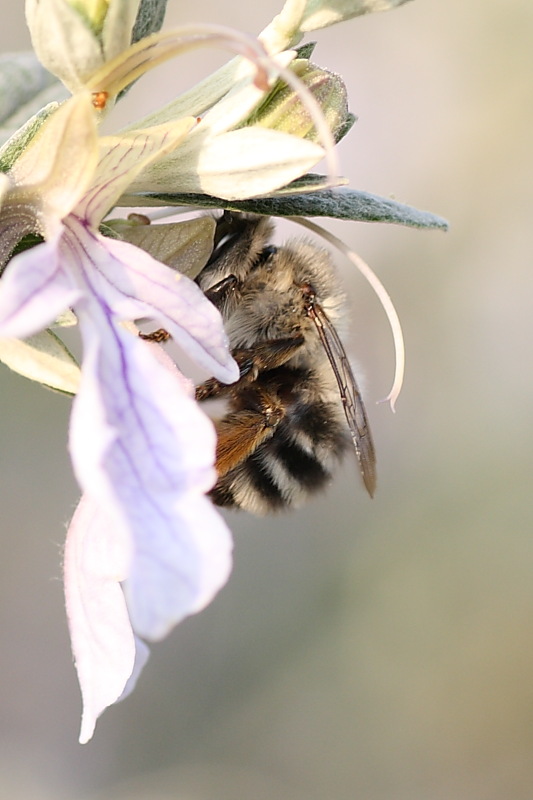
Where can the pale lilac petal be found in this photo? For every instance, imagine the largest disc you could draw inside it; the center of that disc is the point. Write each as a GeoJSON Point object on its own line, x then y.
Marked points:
{"type": "Point", "coordinates": [135, 285]}
{"type": "Point", "coordinates": [177, 573]}
{"type": "Point", "coordinates": [142, 654]}
{"type": "Point", "coordinates": [103, 644]}
{"type": "Point", "coordinates": [132, 415]}
{"type": "Point", "coordinates": [34, 290]}
{"type": "Point", "coordinates": [143, 449]}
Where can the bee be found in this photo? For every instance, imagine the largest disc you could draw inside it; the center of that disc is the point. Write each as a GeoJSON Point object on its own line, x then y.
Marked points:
{"type": "Point", "coordinates": [295, 409]}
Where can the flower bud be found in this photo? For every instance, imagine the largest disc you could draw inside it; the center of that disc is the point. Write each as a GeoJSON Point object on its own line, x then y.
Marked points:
{"type": "Point", "coordinates": [93, 11]}
{"type": "Point", "coordinates": [284, 111]}
{"type": "Point", "coordinates": [74, 38]}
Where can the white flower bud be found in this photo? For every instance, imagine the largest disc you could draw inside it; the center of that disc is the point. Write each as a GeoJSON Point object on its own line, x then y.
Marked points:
{"type": "Point", "coordinates": [74, 38]}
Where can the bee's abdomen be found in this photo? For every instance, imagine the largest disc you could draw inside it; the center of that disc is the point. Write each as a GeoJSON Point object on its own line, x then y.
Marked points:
{"type": "Point", "coordinates": [295, 463]}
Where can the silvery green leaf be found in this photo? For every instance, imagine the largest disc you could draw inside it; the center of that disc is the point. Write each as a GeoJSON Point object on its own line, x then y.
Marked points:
{"type": "Point", "coordinates": [347, 204]}
{"type": "Point", "coordinates": [16, 143]}
{"type": "Point", "coordinates": [306, 183]}
{"type": "Point", "coordinates": [42, 358]}
{"type": "Point", "coordinates": [149, 18]}
{"type": "Point", "coordinates": [22, 77]}
{"type": "Point", "coordinates": [306, 50]}
{"type": "Point", "coordinates": [340, 203]}
{"type": "Point", "coordinates": [349, 122]}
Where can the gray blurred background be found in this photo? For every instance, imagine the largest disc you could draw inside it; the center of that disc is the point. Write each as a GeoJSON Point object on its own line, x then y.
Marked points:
{"type": "Point", "coordinates": [382, 649]}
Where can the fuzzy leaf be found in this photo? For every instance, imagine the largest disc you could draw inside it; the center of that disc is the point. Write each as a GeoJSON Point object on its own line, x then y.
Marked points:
{"type": "Point", "coordinates": [17, 143]}
{"type": "Point", "coordinates": [150, 18]}
{"type": "Point", "coordinates": [342, 203]}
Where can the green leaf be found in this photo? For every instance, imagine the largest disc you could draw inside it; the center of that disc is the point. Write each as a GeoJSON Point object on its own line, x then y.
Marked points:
{"type": "Point", "coordinates": [149, 20]}
{"type": "Point", "coordinates": [349, 122]}
{"type": "Point", "coordinates": [341, 203]}
{"type": "Point", "coordinates": [17, 144]}
{"type": "Point", "coordinates": [305, 50]}
{"type": "Point", "coordinates": [27, 242]}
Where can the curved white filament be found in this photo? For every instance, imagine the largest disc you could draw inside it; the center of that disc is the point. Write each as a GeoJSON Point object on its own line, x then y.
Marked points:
{"type": "Point", "coordinates": [159, 47]}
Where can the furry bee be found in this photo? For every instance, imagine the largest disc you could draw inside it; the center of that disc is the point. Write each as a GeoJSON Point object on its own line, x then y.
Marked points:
{"type": "Point", "coordinates": [296, 408]}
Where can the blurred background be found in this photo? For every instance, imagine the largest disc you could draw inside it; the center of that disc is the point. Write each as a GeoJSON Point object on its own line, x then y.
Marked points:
{"type": "Point", "coordinates": [362, 649]}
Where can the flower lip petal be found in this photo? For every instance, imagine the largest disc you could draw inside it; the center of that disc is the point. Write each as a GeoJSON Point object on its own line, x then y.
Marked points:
{"type": "Point", "coordinates": [102, 638]}
{"type": "Point", "coordinates": [175, 576]}
{"type": "Point", "coordinates": [137, 437]}
{"type": "Point", "coordinates": [151, 476]}
{"type": "Point", "coordinates": [35, 290]}
{"type": "Point", "coordinates": [137, 286]}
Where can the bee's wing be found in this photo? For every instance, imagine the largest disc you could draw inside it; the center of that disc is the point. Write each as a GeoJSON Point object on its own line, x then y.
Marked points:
{"type": "Point", "coordinates": [350, 396]}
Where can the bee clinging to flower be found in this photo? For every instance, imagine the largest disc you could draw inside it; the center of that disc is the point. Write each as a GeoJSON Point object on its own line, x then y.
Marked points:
{"type": "Point", "coordinates": [296, 408]}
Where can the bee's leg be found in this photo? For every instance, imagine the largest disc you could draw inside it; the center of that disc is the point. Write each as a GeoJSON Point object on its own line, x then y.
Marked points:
{"type": "Point", "coordinates": [218, 294]}
{"type": "Point", "coordinates": [253, 360]}
{"type": "Point", "coordinates": [160, 335]}
{"type": "Point", "coordinates": [241, 432]}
